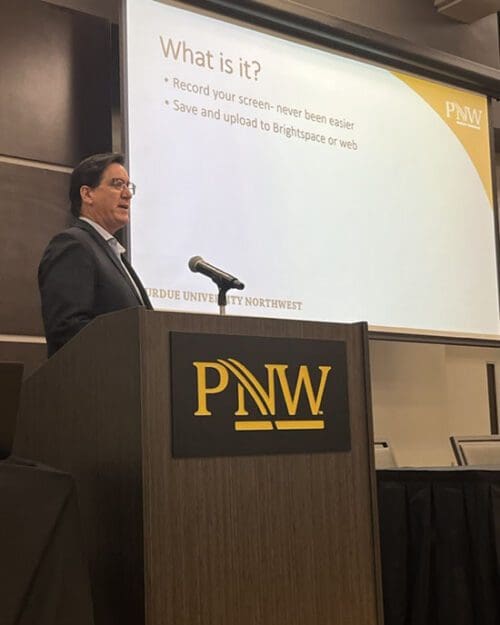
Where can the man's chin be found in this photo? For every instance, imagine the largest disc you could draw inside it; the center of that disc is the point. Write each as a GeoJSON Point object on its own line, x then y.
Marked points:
{"type": "Point", "coordinates": [122, 222]}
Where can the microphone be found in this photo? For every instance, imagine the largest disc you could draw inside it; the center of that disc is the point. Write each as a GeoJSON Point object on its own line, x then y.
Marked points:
{"type": "Point", "coordinates": [221, 278]}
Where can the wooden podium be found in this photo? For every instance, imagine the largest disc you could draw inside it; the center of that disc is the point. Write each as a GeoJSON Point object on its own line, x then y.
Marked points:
{"type": "Point", "coordinates": [259, 539]}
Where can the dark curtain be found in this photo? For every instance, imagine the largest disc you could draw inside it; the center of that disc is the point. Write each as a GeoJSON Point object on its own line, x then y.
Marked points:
{"type": "Point", "coordinates": [440, 546]}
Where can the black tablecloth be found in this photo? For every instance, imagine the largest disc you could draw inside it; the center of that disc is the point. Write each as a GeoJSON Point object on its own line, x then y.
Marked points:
{"type": "Point", "coordinates": [440, 546]}
{"type": "Point", "coordinates": [43, 576]}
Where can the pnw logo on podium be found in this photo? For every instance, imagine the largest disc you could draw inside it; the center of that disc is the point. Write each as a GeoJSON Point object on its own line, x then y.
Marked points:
{"type": "Point", "coordinates": [235, 395]}
{"type": "Point", "coordinates": [264, 397]}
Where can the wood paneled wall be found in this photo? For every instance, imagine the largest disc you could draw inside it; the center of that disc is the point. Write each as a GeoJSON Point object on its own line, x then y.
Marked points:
{"type": "Point", "coordinates": [55, 108]}
{"type": "Point", "coordinates": [54, 84]}
{"type": "Point", "coordinates": [34, 208]}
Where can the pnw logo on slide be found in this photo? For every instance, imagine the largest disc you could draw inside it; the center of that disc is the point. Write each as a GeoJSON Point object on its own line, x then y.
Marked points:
{"type": "Point", "coordinates": [464, 115]}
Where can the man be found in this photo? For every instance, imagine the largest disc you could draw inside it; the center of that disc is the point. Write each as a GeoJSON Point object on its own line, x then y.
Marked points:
{"type": "Point", "coordinates": [82, 273]}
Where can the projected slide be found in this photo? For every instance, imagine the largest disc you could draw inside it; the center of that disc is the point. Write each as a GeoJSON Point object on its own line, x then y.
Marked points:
{"type": "Point", "coordinates": [335, 190]}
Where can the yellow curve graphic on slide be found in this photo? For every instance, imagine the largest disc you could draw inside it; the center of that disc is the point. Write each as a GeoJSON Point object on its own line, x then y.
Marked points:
{"type": "Point", "coordinates": [466, 114]}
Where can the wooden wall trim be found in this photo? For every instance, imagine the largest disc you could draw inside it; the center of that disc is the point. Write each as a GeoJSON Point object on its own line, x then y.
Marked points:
{"type": "Point", "coordinates": [24, 162]}
{"type": "Point", "coordinates": [20, 338]}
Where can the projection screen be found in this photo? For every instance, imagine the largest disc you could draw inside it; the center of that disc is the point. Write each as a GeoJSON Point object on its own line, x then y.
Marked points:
{"type": "Point", "coordinates": [335, 189]}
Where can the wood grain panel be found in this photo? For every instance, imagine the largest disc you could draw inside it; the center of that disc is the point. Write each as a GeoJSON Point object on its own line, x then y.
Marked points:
{"type": "Point", "coordinates": [81, 413]}
{"type": "Point", "coordinates": [32, 355]}
{"type": "Point", "coordinates": [264, 539]}
{"type": "Point", "coordinates": [54, 85]}
{"type": "Point", "coordinates": [34, 207]}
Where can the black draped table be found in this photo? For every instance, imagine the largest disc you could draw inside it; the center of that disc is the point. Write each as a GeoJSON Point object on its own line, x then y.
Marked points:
{"type": "Point", "coordinates": [440, 545]}
{"type": "Point", "coordinates": [43, 575]}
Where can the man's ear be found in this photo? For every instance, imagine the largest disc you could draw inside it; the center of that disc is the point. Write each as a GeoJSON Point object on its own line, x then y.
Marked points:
{"type": "Point", "coordinates": [86, 194]}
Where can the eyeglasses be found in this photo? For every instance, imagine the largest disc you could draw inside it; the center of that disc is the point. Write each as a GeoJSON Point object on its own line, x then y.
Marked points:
{"type": "Point", "coordinates": [119, 184]}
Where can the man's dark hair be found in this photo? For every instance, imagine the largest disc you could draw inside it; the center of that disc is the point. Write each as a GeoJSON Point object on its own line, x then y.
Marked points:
{"type": "Point", "coordinates": [89, 172]}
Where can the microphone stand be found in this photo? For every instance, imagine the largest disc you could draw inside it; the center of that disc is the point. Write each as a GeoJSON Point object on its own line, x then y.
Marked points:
{"type": "Point", "coordinates": [221, 299]}
{"type": "Point", "coordinates": [223, 280]}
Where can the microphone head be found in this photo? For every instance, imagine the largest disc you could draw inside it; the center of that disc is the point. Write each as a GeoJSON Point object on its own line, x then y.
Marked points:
{"type": "Point", "coordinates": [193, 263]}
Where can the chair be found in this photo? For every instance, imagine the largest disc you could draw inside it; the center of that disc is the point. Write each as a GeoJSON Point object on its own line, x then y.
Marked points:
{"type": "Point", "coordinates": [476, 450]}
{"type": "Point", "coordinates": [384, 458]}
{"type": "Point", "coordinates": [11, 374]}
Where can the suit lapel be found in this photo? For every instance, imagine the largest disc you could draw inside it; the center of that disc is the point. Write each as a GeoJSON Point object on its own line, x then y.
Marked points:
{"type": "Point", "coordinates": [104, 245]}
{"type": "Point", "coordinates": [139, 284]}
